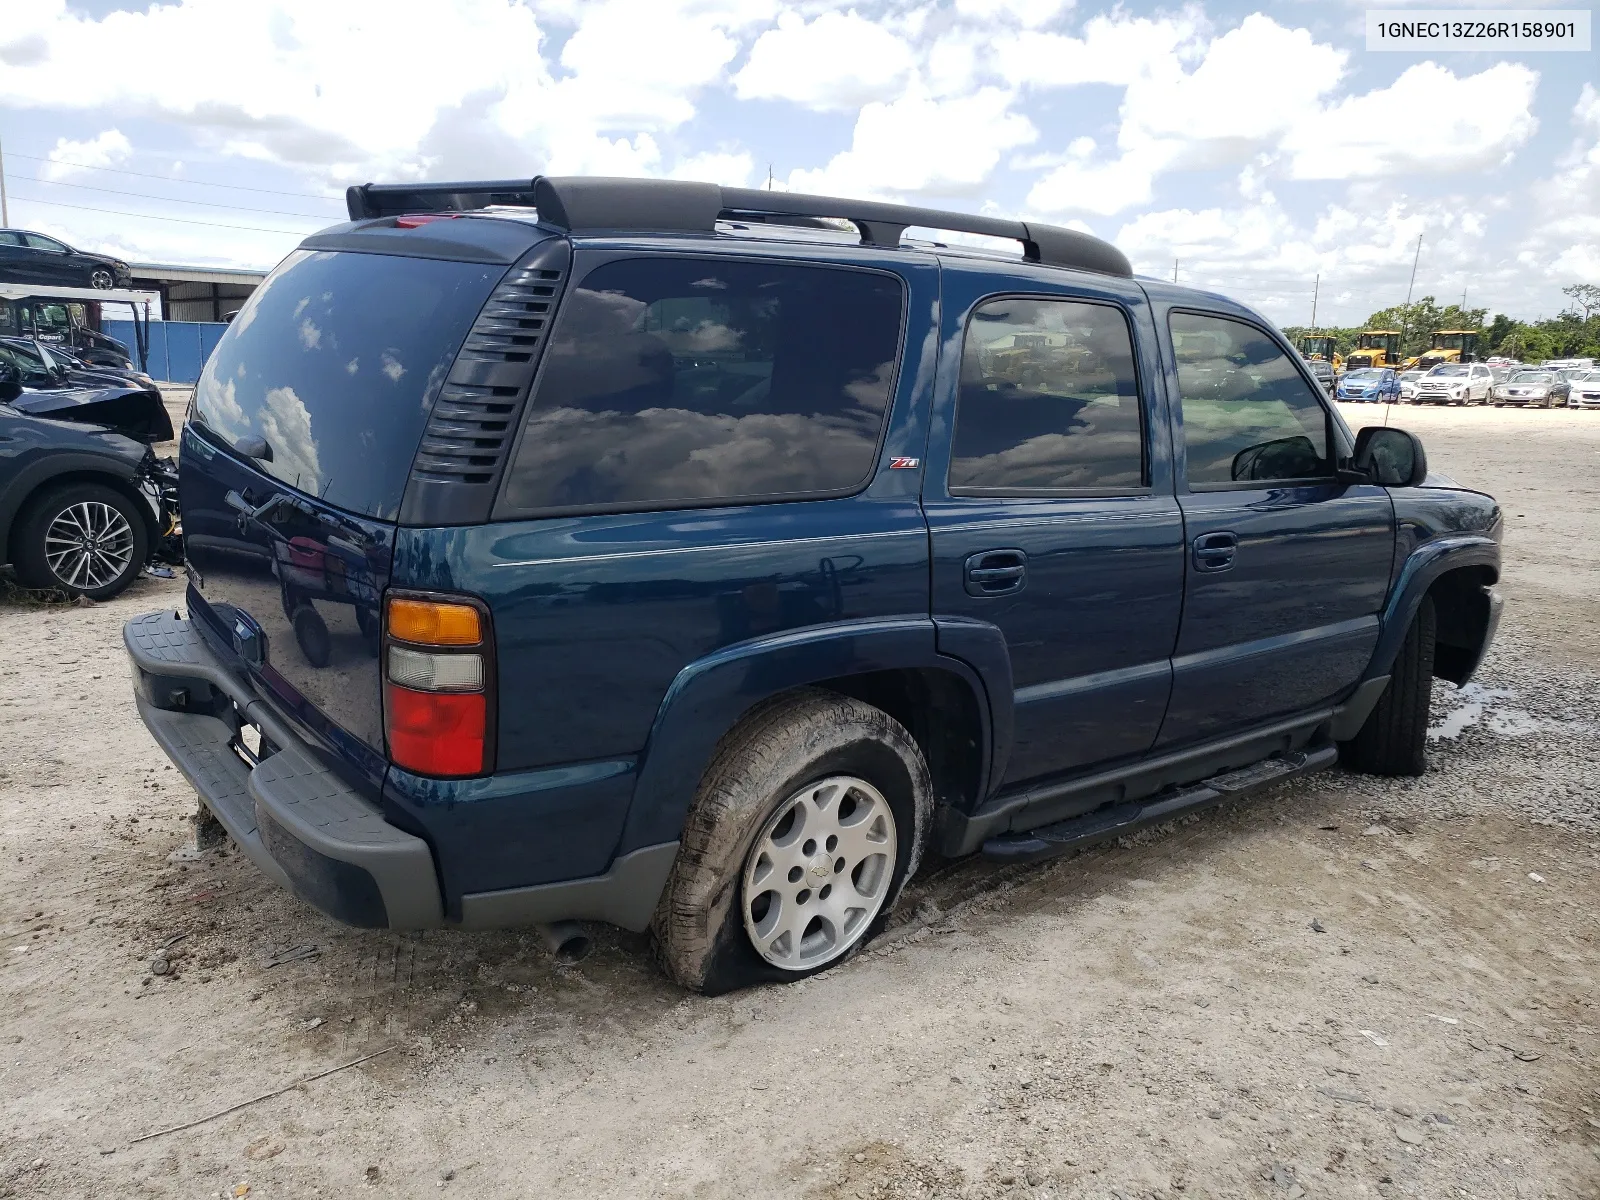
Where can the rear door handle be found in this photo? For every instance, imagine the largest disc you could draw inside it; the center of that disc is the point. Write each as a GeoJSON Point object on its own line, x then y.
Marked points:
{"type": "Point", "coordinates": [996, 572]}
{"type": "Point", "coordinates": [1215, 551]}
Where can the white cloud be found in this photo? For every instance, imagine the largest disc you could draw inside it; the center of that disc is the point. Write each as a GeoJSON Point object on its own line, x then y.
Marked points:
{"type": "Point", "coordinates": [635, 63]}
{"type": "Point", "coordinates": [1116, 50]}
{"type": "Point", "coordinates": [1261, 94]}
{"type": "Point", "coordinates": [1428, 120]}
{"type": "Point", "coordinates": [1563, 240]}
{"type": "Point", "coordinates": [68, 158]}
{"type": "Point", "coordinates": [1080, 185]}
{"type": "Point", "coordinates": [919, 143]}
{"type": "Point", "coordinates": [1030, 14]}
{"type": "Point", "coordinates": [728, 169]}
{"type": "Point", "coordinates": [1171, 118]}
{"type": "Point", "coordinates": [952, 64]}
{"type": "Point", "coordinates": [839, 61]}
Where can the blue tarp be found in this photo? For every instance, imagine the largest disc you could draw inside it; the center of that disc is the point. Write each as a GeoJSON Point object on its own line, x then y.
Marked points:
{"type": "Point", "coordinates": [178, 349]}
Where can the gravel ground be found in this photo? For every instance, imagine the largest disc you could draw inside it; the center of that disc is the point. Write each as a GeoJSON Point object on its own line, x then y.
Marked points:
{"type": "Point", "coordinates": [1343, 987]}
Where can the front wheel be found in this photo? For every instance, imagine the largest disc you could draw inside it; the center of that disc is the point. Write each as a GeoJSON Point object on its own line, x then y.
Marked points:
{"type": "Point", "coordinates": [1394, 739]}
{"type": "Point", "coordinates": [86, 539]}
{"type": "Point", "coordinates": [807, 824]}
{"type": "Point", "coordinates": [101, 279]}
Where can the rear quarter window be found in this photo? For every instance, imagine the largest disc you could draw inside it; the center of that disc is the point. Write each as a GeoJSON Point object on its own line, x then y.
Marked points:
{"type": "Point", "coordinates": [673, 382]}
{"type": "Point", "coordinates": [335, 361]}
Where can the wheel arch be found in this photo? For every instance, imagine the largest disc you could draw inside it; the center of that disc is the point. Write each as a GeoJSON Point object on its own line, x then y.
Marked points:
{"type": "Point", "coordinates": [1466, 613]}
{"type": "Point", "coordinates": [62, 471]}
{"type": "Point", "coordinates": [1459, 572]}
{"type": "Point", "coordinates": [891, 663]}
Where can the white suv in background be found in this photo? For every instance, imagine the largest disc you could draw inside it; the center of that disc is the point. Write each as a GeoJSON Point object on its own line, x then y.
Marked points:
{"type": "Point", "coordinates": [1455, 383]}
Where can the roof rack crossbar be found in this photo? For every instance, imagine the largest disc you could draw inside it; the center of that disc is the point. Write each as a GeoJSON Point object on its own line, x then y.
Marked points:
{"type": "Point", "coordinates": [591, 204]}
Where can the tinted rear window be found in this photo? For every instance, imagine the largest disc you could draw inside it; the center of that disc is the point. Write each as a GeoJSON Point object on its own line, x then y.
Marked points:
{"type": "Point", "coordinates": [1049, 400]}
{"type": "Point", "coordinates": [335, 361]}
{"type": "Point", "coordinates": [692, 381]}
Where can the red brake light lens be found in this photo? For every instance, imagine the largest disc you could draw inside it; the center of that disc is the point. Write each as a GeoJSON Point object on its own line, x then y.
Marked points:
{"type": "Point", "coordinates": [414, 220]}
{"type": "Point", "coordinates": [437, 733]}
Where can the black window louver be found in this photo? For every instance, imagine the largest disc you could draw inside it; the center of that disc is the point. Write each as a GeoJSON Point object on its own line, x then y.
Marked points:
{"type": "Point", "coordinates": [479, 406]}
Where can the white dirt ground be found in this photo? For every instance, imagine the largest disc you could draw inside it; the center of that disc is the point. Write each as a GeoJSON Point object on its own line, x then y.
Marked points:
{"type": "Point", "coordinates": [1155, 1018]}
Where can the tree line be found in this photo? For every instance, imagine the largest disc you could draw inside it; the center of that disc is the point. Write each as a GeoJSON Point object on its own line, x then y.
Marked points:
{"type": "Point", "coordinates": [1573, 333]}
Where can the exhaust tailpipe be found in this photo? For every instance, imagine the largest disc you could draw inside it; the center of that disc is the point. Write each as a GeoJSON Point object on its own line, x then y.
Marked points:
{"type": "Point", "coordinates": [566, 940]}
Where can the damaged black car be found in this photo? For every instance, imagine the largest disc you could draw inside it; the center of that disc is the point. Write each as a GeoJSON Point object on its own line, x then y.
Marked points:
{"type": "Point", "coordinates": [85, 503]}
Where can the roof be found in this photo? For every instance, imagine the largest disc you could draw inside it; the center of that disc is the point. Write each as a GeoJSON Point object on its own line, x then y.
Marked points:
{"type": "Point", "coordinates": [46, 291]}
{"type": "Point", "coordinates": [179, 274]}
{"type": "Point", "coordinates": [593, 204]}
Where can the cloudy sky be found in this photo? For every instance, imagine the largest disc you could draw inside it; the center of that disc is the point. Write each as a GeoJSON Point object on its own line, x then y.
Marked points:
{"type": "Point", "coordinates": [1258, 146]}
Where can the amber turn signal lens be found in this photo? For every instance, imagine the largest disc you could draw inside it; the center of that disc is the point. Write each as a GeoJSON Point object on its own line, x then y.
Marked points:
{"type": "Point", "coordinates": [431, 623]}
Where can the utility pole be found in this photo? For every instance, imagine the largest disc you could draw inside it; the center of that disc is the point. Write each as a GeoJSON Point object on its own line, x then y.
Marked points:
{"type": "Point", "coordinates": [1316, 287]}
{"type": "Point", "coordinates": [5, 208]}
{"type": "Point", "coordinates": [1174, 270]}
{"type": "Point", "coordinates": [1405, 319]}
{"type": "Point", "coordinates": [769, 177]}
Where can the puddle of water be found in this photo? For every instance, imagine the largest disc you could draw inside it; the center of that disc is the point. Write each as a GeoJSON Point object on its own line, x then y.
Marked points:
{"type": "Point", "coordinates": [1478, 705]}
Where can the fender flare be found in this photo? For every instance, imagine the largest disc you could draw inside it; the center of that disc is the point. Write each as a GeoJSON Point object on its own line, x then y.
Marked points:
{"type": "Point", "coordinates": [40, 472]}
{"type": "Point", "coordinates": [1419, 572]}
{"type": "Point", "coordinates": [709, 696]}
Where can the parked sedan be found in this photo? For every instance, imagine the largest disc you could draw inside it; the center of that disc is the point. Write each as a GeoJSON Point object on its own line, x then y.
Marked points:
{"type": "Point", "coordinates": [1540, 389]}
{"type": "Point", "coordinates": [1408, 385]}
{"type": "Point", "coordinates": [1456, 383]}
{"type": "Point", "coordinates": [34, 258]}
{"type": "Point", "coordinates": [1585, 391]}
{"type": "Point", "coordinates": [40, 364]}
{"type": "Point", "coordinates": [1374, 385]}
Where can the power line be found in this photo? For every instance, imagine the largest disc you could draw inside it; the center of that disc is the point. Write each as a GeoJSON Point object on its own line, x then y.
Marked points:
{"type": "Point", "coordinates": [169, 179]}
{"type": "Point", "coordinates": [116, 212]}
{"type": "Point", "coordinates": [277, 212]}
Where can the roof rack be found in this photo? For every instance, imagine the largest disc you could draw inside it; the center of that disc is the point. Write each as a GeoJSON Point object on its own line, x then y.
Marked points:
{"type": "Point", "coordinates": [589, 204]}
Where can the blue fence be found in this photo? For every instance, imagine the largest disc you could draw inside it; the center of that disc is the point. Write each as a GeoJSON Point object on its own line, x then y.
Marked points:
{"type": "Point", "coordinates": [178, 349]}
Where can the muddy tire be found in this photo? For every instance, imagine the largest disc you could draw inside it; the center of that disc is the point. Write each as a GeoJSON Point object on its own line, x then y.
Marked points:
{"type": "Point", "coordinates": [1394, 740]}
{"type": "Point", "coordinates": [810, 747]}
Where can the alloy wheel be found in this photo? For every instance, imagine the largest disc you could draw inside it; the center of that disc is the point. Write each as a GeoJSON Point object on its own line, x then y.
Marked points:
{"type": "Point", "coordinates": [819, 873]}
{"type": "Point", "coordinates": [88, 545]}
{"type": "Point", "coordinates": [100, 279]}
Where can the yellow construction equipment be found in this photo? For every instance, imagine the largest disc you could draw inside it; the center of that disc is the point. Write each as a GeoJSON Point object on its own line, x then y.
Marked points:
{"type": "Point", "coordinates": [1449, 345]}
{"type": "Point", "coordinates": [1321, 345]}
{"type": "Point", "coordinates": [1374, 348]}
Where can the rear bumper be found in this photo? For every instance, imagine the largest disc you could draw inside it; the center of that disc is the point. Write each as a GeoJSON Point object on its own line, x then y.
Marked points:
{"type": "Point", "coordinates": [307, 829]}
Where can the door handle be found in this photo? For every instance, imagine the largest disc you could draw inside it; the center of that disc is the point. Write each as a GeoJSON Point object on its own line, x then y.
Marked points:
{"type": "Point", "coordinates": [1215, 551]}
{"type": "Point", "coordinates": [996, 573]}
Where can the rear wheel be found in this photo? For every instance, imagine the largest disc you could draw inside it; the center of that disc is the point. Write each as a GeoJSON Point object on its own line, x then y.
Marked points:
{"type": "Point", "coordinates": [85, 538]}
{"type": "Point", "coordinates": [1394, 740]}
{"type": "Point", "coordinates": [808, 822]}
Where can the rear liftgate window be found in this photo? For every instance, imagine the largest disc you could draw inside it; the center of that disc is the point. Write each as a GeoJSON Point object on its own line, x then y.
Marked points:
{"type": "Point", "coordinates": [674, 382]}
{"type": "Point", "coordinates": [334, 362]}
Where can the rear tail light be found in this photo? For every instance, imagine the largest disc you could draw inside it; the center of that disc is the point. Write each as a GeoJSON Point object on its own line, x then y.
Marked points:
{"type": "Point", "coordinates": [438, 695]}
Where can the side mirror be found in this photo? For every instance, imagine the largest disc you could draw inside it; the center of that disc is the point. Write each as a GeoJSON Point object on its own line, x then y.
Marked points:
{"type": "Point", "coordinates": [254, 447]}
{"type": "Point", "coordinates": [1390, 457]}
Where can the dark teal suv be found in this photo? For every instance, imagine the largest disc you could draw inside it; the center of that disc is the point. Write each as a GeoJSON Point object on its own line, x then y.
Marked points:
{"type": "Point", "coordinates": [698, 559]}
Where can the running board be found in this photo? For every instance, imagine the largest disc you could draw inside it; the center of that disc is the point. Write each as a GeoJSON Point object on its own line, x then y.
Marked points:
{"type": "Point", "coordinates": [1114, 820]}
